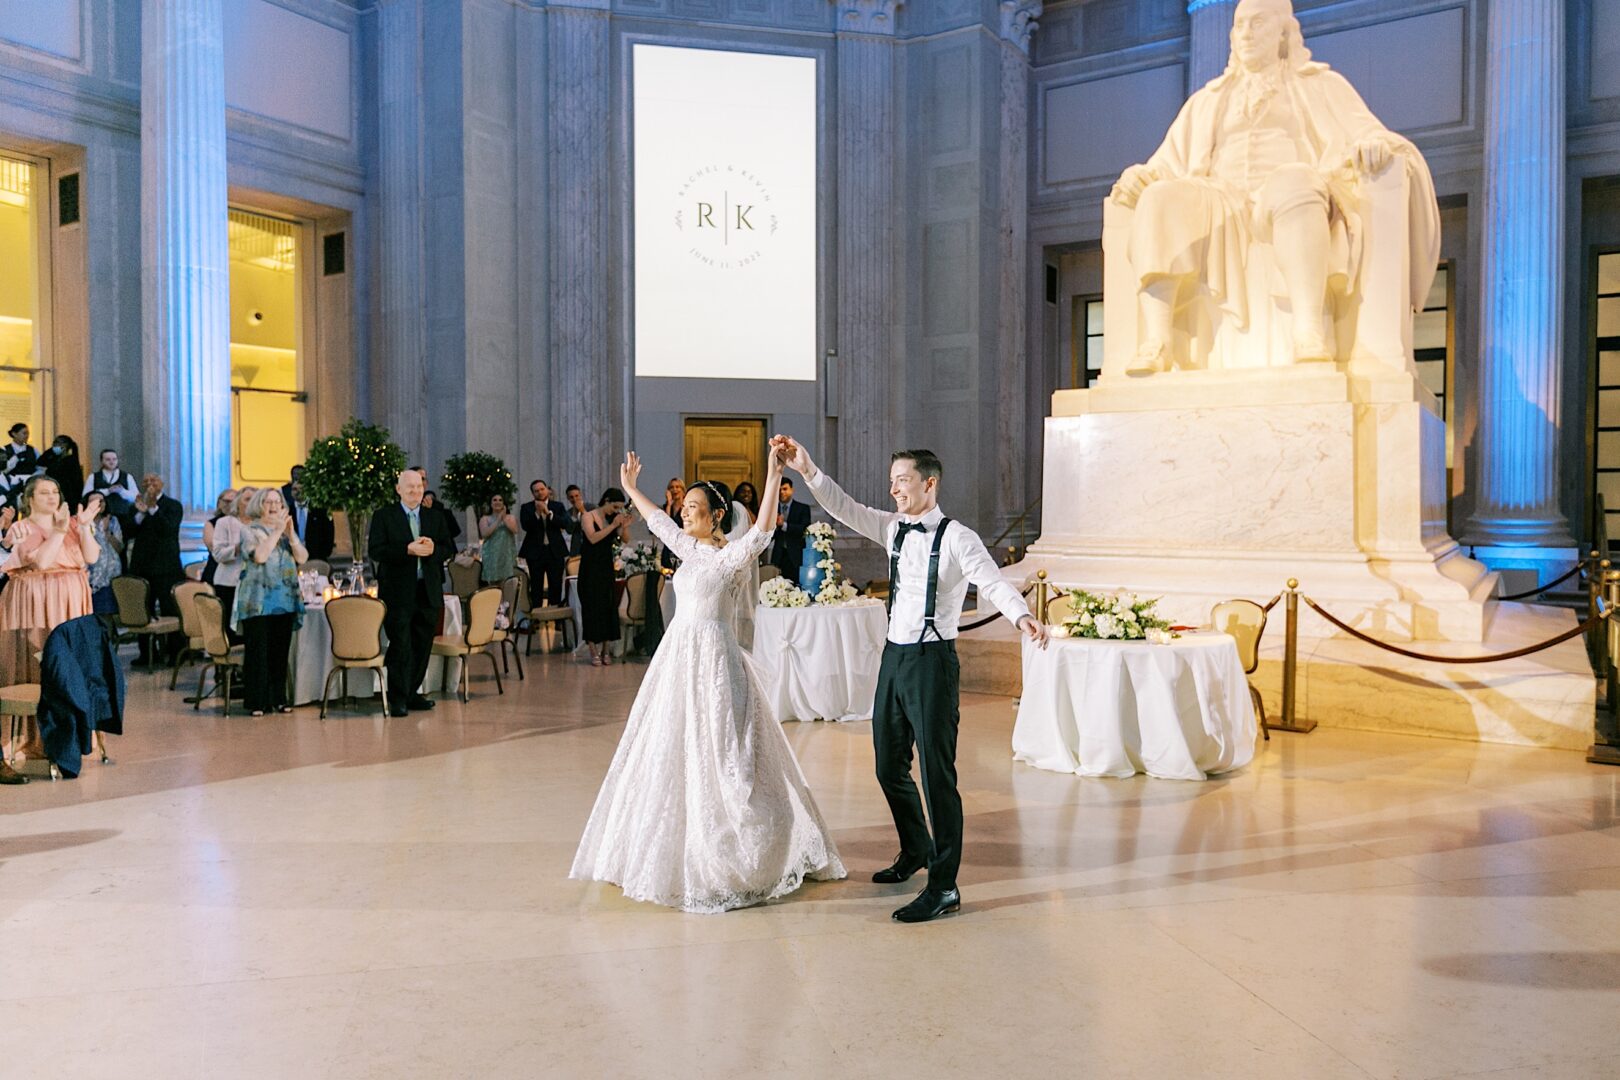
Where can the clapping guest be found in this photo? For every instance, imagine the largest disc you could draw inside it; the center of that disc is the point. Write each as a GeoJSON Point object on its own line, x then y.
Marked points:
{"type": "Point", "coordinates": [576, 514]}
{"type": "Point", "coordinates": [313, 525]}
{"type": "Point", "coordinates": [114, 483]}
{"type": "Point", "coordinates": [51, 550]}
{"type": "Point", "coordinates": [545, 542]}
{"type": "Point", "coordinates": [792, 519]}
{"type": "Point", "coordinates": [608, 524]}
{"type": "Point", "coordinates": [749, 497]}
{"type": "Point", "coordinates": [226, 549]}
{"type": "Point", "coordinates": [222, 508]}
{"type": "Point", "coordinates": [22, 460]}
{"type": "Point", "coordinates": [674, 496]}
{"type": "Point", "coordinates": [269, 605]}
{"type": "Point", "coordinates": [110, 563]}
{"type": "Point", "coordinates": [155, 537]}
{"type": "Point", "coordinates": [408, 549]}
{"type": "Point", "coordinates": [499, 530]}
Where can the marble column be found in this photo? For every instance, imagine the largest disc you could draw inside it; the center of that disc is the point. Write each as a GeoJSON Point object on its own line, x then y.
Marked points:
{"type": "Point", "coordinates": [867, 247]}
{"type": "Point", "coordinates": [185, 274]}
{"type": "Point", "coordinates": [397, 374]}
{"type": "Point", "coordinates": [1017, 479]}
{"type": "Point", "coordinates": [589, 422]}
{"type": "Point", "coordinates": [1211, 40]}
{"type": "Point", "coordinates": [1516, 485]}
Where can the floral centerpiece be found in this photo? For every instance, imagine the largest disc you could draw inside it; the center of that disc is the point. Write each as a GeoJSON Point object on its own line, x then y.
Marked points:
{"type": "Point", "coordinates": [1123, 616]}
{"type": "Point", "coordinates": [637, 558]}
{"type": "Point", "coordinates": [779, 592]}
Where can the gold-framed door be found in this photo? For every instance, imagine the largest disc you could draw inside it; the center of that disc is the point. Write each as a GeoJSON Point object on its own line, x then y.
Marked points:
{"type": "Point", "coordinates": [726, 449]}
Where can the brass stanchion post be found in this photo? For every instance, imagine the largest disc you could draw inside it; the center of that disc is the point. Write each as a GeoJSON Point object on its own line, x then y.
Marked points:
{"type": "Point", "coordinates": [1611, 596]}
{"type": "Point", "coordinates": [1596, 586]}
{"type": "Point", "coordinates": [1605, 748]}
{"type": "Point", "coordinates": [1290, 718]}
{"type": "Point", "coordinates": [1041, 598]}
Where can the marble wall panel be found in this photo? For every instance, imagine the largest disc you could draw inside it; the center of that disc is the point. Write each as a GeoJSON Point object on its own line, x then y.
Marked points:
{"type": "Point", "coordinates": [1085, 135]}
{"type": "Point", "coordinates": [1602, 44]}
{"type": "Point", "coordinates": [1411, 72]}
{"type": "Point", "coordinates": [289, 67]}
{"type": "Point", "coordinates": [55, 27]}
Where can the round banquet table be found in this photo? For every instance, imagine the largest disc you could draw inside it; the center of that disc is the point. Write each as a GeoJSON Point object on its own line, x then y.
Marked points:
{"type": "Point", "coordinates": [312, 658]}
{"type": "Point", "coordinates": [821, 663]}
{"type": "Point", "coordinates": [1117, 708]}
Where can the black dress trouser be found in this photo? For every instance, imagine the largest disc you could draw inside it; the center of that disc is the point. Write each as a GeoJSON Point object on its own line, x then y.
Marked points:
{"type": "Point", "coordinates": [410, 629]}
{"type": "Point", "coordinates": [267, 646]}
{"type": "Point", "coordinates": [918, 702]}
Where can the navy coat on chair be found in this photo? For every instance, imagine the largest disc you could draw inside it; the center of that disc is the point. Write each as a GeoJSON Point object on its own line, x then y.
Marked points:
{"type": "Point", "coordinates": [81, 691]}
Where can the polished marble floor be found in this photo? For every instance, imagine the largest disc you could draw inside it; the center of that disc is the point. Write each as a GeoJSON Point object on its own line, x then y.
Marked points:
{"type": "Point", "coordinates": [286, 898]}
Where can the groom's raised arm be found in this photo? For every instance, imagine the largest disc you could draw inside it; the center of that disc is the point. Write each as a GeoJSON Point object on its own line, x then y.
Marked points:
{"type": "Point", "coordinates": [870, 523]}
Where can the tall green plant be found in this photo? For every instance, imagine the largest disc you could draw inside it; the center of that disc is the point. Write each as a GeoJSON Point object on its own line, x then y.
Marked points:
{"type": "Point", "coordinates": [355, 470]}
{"type": "Point", "coordinates": [474, 478]}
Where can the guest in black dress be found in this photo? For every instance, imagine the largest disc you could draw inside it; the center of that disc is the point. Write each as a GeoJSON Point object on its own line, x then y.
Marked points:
{"type": "Point", "coordinates": [608, 523]}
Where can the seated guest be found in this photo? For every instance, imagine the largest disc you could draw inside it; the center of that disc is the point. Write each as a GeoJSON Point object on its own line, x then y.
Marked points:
{"type": "Point", "coordinates": [48, 580]}
{"type": "Point", "coordinates": [226, 549]}
{"type": "Point", "coordinates": [61, 463]}
{"type": "Point", "coordinates": [576, 508]}
{"type": "Point", "coordinates": [154, 536]}
{"type": "Point", "coordinates": [268, 605]}
{"type": "Point", "coordinates": [110, 563]}
{"type": "Point", "coordinates": [498, 557]}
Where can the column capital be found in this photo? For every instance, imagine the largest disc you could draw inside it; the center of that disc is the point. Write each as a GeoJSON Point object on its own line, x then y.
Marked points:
{"type": "Point", "coordinates": [1018, 22]}
{"type": "Point", "coordinates": [867, 16]}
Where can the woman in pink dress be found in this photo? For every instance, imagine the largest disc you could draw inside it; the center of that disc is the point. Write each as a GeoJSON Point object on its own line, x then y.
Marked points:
{"type": "Point", "coordinates": [48, 582]}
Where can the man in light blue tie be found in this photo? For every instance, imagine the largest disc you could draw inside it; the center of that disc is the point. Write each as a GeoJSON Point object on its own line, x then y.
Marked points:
{"type": "Point", "coordinates": [408, 548]}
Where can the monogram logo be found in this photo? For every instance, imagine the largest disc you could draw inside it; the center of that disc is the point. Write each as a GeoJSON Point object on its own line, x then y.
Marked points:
{"type": "Point", "coordinates": [726, 215]}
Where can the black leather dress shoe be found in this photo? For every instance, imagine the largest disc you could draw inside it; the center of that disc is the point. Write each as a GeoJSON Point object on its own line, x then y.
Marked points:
{"type": "Point", "coordinates": [904, 866]}
{"type": "Point", "coordinates": [419, 703]}
{"type": "Point", "coordinates": [398, 710]}
{"type": "Point", "coordinates": [930, 905]}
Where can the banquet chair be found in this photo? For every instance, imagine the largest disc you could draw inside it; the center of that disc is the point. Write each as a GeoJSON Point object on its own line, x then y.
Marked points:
{"type": "Point", "coordinates": [317, 566]}
{"type": "Point", "coordinates": [1245, 622]}
{"type": "Point", "coordinates": [464, 578]}
{"type": "Point", "coordinates": [184, 593]}
{"type": "Point", "coordinates": [560, 617]}
{"type": "Point", "coordinates": [506, 637]}
{"type": "Point", "coordinates": [20, 702]}
{"type": "Point", "coordinates": [769, 571]}
{"type": "Point", "coordinates": [134, 618]}
{"type": "Point", "coordinates": [357, 642]}
{"type": "Point", "coordinates": [475, 640]}
{"type": "Point", "coordinates": [635, 607]}
{"type": "Point", "coordinates": [194, 570]}
{"type": "Point", "coordinates": [224, 659]}
{"type": "Point", "coordinates": [1059, 607]}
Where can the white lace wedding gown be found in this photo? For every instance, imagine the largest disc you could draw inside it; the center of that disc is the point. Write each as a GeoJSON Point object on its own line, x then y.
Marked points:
{"type": "Point", "coordinates": [704, 807]}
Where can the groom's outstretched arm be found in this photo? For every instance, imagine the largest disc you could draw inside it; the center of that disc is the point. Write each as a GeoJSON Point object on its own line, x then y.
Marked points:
{"type": "Point", "coordinates": [870, 523]}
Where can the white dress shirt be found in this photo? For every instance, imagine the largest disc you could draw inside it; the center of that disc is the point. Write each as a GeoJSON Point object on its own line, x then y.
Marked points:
{"type": "Point", "coordinates": [962, 560]}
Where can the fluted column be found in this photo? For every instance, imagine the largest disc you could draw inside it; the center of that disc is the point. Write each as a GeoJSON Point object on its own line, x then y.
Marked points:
{"type": "Point", "coordinates": [1211, 43]}
{"type": "Point", "coordinates": [1017, 468]}
{"type": "Point", "coordinates": [589, 424]}
{"type": "Point", "coordinates": [185, 273]}
{"type": "Point", "coordinates": [401, 290]}
{"type": "Point", "coordinates": [867, 250]}
{"type": "Point", "coordinates": [1521, 295]}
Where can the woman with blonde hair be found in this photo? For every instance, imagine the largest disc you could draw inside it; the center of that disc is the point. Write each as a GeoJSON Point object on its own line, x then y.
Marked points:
{"type": "Point", "coordinates": [225, 545]}
{"type": "Point", "coordinates": [269, 605]}
{"type": "Point", "coordinates": [49, 584]}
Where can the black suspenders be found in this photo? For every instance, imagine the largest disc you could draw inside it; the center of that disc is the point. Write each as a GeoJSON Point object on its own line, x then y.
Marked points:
{"type": "Point", "coordinates": [931, 597]}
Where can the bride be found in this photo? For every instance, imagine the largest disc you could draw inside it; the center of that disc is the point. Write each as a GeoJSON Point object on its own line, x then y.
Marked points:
{"type": "Point", "coordinates": [704, 807]}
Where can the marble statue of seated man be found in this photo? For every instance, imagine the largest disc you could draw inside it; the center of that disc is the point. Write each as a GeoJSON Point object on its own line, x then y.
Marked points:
{"type": "Point", "coordinates": [1269, 152]}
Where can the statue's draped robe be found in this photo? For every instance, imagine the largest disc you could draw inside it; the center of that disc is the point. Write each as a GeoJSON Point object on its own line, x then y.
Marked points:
{"type": "Point", "coordinates": [1334, 121]}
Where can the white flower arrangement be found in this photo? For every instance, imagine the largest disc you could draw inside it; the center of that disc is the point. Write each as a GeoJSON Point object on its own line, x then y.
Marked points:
{"type": "Point", "coordinates": [1123, 616]}
{"type": "Point", "coordinates": [821, 536]}
{"type": "Point", "coordinates": [834, 592]}
{"type": "Point", "coordinates": [637, 558]}
{"type": "Point", "coordinates": [779, 592]}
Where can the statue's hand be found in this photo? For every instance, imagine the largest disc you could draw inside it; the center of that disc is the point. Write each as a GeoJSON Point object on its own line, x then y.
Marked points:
{"type": "Point", "coordinates": [1372, 156]}
{"type": "Point", "coordinates": [1132, 182]}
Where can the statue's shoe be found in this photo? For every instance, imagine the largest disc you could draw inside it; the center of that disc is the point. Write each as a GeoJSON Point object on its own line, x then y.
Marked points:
{"type": "Point", "coordinates": [1312, 349]}
{"type": "Point", "coordinates": [1150, 359]}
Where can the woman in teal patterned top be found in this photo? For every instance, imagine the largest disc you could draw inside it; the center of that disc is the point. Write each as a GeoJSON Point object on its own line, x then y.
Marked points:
{"type": "Point", "coordinates": [269, 605]}
{"type": "Point", "coordinates": [499, 529]}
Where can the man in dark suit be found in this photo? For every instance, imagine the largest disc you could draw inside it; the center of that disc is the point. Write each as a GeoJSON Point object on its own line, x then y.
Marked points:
{"type": "Point", "coordinates": [155, 536]}
{"type": "Point", "coordinates": [545, 542]}
{"type": "Point", "coordinates": [577, 509]}
{"type": "Point", "coordinates": [792, 519]}
{"type": "Point", "coordinates": [314, 526]}
{"type": "Point", "coordinates": [408, 547]}
{"type": "Point", "coordinates": [290, 488]}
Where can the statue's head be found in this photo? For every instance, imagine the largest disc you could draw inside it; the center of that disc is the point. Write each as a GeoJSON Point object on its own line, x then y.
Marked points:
{"type": "Point", "coordinates": [1264, 32]}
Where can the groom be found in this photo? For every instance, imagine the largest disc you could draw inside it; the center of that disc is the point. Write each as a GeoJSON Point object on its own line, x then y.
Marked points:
{"type": "Point", "coordinates": [931, 561]}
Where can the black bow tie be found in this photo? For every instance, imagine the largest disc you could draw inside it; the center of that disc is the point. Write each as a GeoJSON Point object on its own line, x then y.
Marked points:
{"type": "Point", "coordinates": [910, 527]}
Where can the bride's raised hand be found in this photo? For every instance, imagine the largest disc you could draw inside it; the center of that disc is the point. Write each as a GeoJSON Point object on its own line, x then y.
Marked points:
{"type": "Point", "coordinates": [630, 470]}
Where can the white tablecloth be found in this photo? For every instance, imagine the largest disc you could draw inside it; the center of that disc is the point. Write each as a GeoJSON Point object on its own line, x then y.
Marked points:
{"type": "Point", "coordinates": [821, 663]}
{"type": "Point", "coordinates": [1117, 708]}
{"type": "Point", "coordinates": [312, 659]}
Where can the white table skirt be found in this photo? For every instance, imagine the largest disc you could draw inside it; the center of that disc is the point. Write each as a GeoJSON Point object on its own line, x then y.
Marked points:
{"type": "Point", "coordinates": [312, 659]}
{"type": "Point", "coordinates": [1116, 708]}
{"type": "Point", "coordinates": [821, 663]}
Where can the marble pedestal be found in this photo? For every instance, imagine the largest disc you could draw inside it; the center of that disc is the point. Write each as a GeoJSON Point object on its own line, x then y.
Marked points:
{"type": "Point", "coordinates": [1201, 486]}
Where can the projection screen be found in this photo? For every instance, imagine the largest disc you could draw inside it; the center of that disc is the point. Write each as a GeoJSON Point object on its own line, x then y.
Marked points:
{"type": "Point", "coordinates": [725, 214]}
